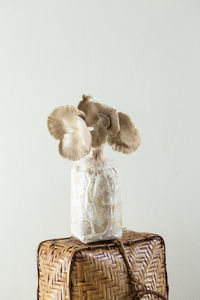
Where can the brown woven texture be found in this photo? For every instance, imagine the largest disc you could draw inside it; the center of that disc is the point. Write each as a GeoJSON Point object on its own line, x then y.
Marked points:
{"type": "Point", "coordinates": [132, 268]}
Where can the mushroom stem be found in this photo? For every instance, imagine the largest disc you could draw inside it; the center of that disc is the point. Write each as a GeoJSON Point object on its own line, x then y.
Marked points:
{"type": "Point", "coordinates": [97, 154]}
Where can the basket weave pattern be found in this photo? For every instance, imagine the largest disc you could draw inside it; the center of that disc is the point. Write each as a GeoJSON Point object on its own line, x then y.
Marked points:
{"type": "Point", "coordinates": [109, 270]}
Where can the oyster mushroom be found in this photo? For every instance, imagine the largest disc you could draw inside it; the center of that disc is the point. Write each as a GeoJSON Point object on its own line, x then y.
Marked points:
{"type": "Point", "coordinates": [110, 113]}
{"type": "Point", "coordinates": [127, 139]}
{"type": "Point", "coordinates": [66, 123]}
{"type": "Point", "coordinates": [90, 110]}
{"type": "Point", "coordinates": [102, 118]}
{"type": "Point", "coordinates": [99, 134]}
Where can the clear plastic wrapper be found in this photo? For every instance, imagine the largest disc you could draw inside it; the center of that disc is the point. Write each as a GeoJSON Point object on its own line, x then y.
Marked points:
{"type": "Point", "coordinates": [95, 200]}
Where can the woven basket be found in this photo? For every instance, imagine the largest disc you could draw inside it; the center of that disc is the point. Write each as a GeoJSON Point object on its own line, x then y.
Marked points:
{"type": "Point", "coordinates": [132, 268]}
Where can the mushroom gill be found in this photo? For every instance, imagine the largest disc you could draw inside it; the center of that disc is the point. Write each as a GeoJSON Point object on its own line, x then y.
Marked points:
{"type": "Point", "coordinates": [66, 123]}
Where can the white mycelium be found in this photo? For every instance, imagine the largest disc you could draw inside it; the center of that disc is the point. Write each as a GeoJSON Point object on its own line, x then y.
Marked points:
{"type": "Point", "coordinates": [95, 201]}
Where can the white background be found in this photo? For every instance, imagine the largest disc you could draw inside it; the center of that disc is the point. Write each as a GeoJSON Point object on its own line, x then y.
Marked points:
{"type": "Point", "coordinates": [141, 57]}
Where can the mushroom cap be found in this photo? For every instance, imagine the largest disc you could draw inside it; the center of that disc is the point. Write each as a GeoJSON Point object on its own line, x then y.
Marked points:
{"type": "Point", "coordinates": [112, 114]}
{"type": "Point", "coordinates": [67, 125]}
{"type": "Point", "coordinates": [99, 134]}
{"type": "Point", "coordinates": [102, 118]}
{"type": "Point", "coordinates": [89, 109]}
{"type": "Point", "coordinates": [77, 142]}
{"type": "Point", "coordinates": [127, 139]}
{"type": "Point", "coordinates": [59, 121]}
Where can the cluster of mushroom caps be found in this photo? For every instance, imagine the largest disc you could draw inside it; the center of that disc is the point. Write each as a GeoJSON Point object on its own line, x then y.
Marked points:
{"type": "Point", "coordinates": [90, 126]}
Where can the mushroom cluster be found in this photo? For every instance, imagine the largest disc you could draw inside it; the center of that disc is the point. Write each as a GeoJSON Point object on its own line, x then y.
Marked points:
{"type": "Point", "coordinates": [90, 126]}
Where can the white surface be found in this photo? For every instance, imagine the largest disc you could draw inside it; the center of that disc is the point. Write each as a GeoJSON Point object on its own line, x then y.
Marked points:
{"type": "Point", "coordinates": [141, 57]}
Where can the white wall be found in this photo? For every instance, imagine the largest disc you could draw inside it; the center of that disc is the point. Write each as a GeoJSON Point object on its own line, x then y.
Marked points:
{"type": "Point", "coordinates": [141, 57]}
